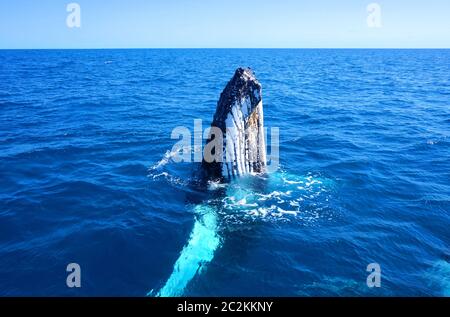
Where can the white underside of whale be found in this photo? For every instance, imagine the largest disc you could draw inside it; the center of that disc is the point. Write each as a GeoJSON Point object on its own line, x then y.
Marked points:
{"type": "Point", "coordinates": [242, 143]}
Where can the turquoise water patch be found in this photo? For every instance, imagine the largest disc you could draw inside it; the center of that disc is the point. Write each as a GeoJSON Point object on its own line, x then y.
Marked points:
{"type": "Point", "coordinates": [198, 251]}
{"type": "Point", "coordinates": [439, 277]}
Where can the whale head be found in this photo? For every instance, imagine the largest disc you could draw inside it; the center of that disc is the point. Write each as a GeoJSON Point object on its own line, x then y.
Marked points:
{"type": "Point", "coordinates": [236, 143]}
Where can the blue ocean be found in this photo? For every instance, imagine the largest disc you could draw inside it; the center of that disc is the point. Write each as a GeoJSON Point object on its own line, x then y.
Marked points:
{"type": "Point", "coordinates": [87, 175]}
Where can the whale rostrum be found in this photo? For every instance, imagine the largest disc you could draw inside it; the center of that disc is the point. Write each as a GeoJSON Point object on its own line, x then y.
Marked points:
{"type": "Point", "coordinates": [236, 144]}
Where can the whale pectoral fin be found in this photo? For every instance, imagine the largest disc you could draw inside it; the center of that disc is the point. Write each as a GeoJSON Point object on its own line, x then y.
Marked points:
{"type": "Point", "coordinates": [200, 249]}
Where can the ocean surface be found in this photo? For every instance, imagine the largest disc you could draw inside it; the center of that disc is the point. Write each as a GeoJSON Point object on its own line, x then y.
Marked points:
{"type": "Point", "coordinates": [87, 174]}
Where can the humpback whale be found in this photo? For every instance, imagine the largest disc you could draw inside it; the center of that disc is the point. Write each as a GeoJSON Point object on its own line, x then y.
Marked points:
{"type": "Point", "coordinates": [239, 120]}
{"type": "Point", "coordinates": [238, 148]}
{"type": "Point", "coordinates": [239, 180]}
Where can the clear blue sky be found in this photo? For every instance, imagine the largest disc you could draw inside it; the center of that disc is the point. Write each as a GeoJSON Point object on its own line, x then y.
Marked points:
{"type": "Point", "coordinates": [224, 23]}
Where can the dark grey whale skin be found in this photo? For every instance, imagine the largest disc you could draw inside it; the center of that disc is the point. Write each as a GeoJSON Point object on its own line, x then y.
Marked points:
{"type": "Point", "coordinates": [244, 93]}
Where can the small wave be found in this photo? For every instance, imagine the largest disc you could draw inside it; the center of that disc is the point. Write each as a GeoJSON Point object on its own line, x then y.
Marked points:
{"type": "Point", "coordinates": [439, 140]}
{"type": "Point", "coordinates": [214, 185]}
{"type": "Point", "coordinates": [174, 174]}
{"type": "Point", "coordinates": [166, 158]}
{"type": "Point", "coordinates": [170, 155]}
{"type": "Point", "coordinates": [170, 179]}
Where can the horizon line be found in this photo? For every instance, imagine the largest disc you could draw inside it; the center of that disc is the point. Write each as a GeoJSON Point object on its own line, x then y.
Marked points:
{"type": "Point", "coordinates": [227, 48]}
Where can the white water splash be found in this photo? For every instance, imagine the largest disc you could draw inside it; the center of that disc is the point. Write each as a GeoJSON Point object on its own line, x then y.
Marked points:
{"type": "Point", "coordinates": [170, 155]}
{"type": "Point", "coordinates": [162, 170]}
{"type": "Point", "coordinates": [282, 198]}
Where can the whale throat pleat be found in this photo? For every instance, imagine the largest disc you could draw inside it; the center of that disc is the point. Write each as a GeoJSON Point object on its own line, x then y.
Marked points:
{"type": "Point", "coordinates": [239, 116]}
